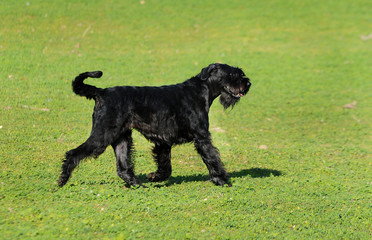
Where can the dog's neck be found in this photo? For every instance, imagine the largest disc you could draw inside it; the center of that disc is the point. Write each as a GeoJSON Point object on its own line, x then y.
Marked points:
{"type": "Point", "coordinates": [212, 88]}
{"type": "Point", "coordinates": [214, 91]}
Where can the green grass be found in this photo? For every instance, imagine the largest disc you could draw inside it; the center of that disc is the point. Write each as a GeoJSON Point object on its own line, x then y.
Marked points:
{"type": "Point", "coordinates": [306, 59]}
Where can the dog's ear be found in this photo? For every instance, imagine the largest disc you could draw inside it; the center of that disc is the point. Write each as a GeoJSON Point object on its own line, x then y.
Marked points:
{"type": "Point", "coordinates": [206, 72]}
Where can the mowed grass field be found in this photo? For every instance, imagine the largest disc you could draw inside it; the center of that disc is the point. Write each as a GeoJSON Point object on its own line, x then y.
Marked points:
{"type": "Point", "coordinates": [297, 147]}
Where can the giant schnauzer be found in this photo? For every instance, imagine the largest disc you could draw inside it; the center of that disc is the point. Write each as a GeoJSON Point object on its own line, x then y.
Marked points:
{"type": "Point", "coordinates": [166, 116]}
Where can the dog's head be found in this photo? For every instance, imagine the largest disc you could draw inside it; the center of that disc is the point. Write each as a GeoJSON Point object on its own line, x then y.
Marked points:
{"type": "Point", "coordinates": [228, 81]}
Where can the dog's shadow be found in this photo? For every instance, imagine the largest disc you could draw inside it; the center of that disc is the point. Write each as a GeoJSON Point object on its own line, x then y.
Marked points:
{"type": "Point", "coordinates": [252, 172]}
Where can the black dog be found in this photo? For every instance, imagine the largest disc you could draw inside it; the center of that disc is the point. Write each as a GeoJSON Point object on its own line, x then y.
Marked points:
{"type": "Point", "coordinates": [166, 116]}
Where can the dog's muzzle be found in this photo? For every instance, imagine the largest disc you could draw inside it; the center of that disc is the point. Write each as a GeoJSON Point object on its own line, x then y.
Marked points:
{"type": "Point", "coordinates": [239, 92]}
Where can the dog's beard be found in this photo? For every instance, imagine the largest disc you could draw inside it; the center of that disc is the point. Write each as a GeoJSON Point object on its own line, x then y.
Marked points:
{"type": "Point", "coordinates": [227, 100]}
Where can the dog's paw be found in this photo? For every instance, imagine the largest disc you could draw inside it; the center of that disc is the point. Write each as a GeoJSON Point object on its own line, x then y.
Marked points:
{"type": "Point", "coordinates": [156, 177]}
{"type": "Point", "coordinates": [62, 180]}
{"type": "Point", "coordinates": [136, 183]}
{"type": "Point", "coordinates": [220, 182]}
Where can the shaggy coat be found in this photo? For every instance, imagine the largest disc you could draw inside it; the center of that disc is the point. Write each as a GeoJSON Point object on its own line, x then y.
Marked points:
{"type": "Point", "coordinates": [166, 116]}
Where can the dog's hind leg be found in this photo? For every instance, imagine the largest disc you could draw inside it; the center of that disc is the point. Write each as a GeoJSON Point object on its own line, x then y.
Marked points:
{"type": "Point", "coordinates": [162, 155]}
{"type": "Point", "coordinates": [123, 148]}
{"type": "Point", "coordinates": [92, 147]}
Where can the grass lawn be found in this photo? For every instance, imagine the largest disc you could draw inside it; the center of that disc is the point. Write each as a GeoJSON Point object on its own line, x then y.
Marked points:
{"type": "Point", "coordinates": [298, 146]}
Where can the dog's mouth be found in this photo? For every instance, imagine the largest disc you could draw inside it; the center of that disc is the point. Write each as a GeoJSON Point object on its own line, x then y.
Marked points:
{"type": "Point", "coordinates": [233, 93]}
{"type": "Point", "coordinates": [237, 93]}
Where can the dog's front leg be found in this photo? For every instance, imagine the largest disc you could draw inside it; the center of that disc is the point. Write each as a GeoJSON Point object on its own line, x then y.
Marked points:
{"type": "Point", "coordinates": [211, 158]}
{"type": "Point", "coordinates": [162, 155]}
{"type": "Point", "coordinates": [123, 151]}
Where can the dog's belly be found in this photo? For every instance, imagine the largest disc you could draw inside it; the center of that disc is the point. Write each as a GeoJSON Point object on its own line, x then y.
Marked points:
{"type": "Point", "coordinates": [164, 139]}
{"type": "Point", "coordinates": [164, 132]}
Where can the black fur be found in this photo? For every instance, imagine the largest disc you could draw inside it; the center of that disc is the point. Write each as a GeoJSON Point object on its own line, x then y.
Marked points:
{"type": "Point", "coordinates": [166, 116]}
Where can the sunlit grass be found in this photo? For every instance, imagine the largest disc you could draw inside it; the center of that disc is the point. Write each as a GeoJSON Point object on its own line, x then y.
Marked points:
{"type": "Point", "coordinates": [299, 158]}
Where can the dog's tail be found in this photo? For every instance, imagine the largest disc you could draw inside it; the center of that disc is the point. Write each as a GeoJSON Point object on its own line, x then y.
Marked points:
{"type": "Point", "coordinates": [85, 90]}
